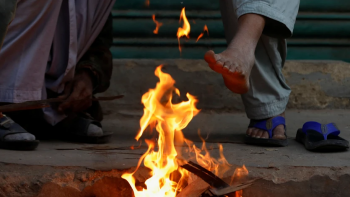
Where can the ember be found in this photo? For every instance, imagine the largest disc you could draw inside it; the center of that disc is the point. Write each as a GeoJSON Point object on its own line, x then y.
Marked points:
{"type": "Point", "coordinates": [169, 119]}
{"type": "Point", "coordinates": [158, 24]}
{"type": "Point", "coordinates": [202, 34]}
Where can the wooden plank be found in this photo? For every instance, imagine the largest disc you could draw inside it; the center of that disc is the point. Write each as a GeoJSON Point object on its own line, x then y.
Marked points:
{"type": "Point", "coordinates": [305, 5]}
{"type": "Point", "coordinates": [144, 28]}
{"type": "Point", "coordinates": [127, 52]}
{"type": "Point", "coordinates": [325, 5]}
{"type": "Point", "coordinates": [174, 14]}
{"type": "Point", "coordinates": [322, 28]}
{"type": "Point", "coordinates": [172, 52]}
{"type": "Point", "coordinates": [303, 28]}
{"type": "Point", "coordinates": [220, 42]}
{"type": "Point", "coordinates": [168, 4]}
{"type": "Point", "coordinates": [197, 14]}
{"type": "Point", "coordinates": [29, 105]}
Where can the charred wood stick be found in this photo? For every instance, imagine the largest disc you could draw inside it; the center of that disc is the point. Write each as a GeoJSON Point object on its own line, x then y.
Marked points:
{"type": "Point", "coordinates": [198, 187]}
{"type": "Point", "coordinates": [46, 103]}
{"type": "Point", "coordinates": [206, 175]}
{"type": "Point", "coordinates": [231, 189]}
{"type": "Point", "coordinates": [218, 186]}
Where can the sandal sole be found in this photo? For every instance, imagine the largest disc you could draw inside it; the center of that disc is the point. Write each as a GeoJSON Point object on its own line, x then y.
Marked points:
{"type": "Point", "coordinates": [324, 145]}
{"type": "Point", "coordinates": [266, 142]}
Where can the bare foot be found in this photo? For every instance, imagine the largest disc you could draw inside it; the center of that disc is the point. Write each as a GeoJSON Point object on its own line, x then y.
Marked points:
{"type": "Point", "coordinates": [234, 65]}
{"type": "Point", "coordinates": [278, 132]}
{"type": "Point", "coordinates": [236, 62]}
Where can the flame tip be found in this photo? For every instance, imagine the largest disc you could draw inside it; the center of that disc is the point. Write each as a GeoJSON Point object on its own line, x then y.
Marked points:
{"type": "Point", "coordinates": [158, 24]}
{"type": "Point", "coordinates": [185, 30]}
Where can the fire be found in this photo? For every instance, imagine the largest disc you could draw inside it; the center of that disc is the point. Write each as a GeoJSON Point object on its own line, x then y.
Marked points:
{"type": "Point", "coordinates": [169, 119]}
{"type": "Point", "coordinates": [185, 29]}
{"type": "Point", "coordinates": [147, 2]}
{"type": "Point", "coordinates": [239, 193]}
{"type": "Point", "coordinates": [158, 24]}
{"type": "Point", "coordinates": [162, 157]}
{"type": "Point", "coordinates": [203, 158]}
{"type": "Point", "coordinates": [239, 173]}
{"type": "Point", "coordinates": [202, 34]}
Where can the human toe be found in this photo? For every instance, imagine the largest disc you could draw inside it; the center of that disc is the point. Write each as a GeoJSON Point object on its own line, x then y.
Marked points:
{"type": "Point", "coordinates": [210, 57]}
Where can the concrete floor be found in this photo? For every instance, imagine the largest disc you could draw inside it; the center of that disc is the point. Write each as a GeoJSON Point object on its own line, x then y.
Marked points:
{"type": "Point", "coordinates": [287, 167]}
{"type": "Point", "coordinates": [226, 128]}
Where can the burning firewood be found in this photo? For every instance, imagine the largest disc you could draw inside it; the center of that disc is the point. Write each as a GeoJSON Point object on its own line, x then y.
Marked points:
{"type": "Point", "coordinates": [209, 182]}
{"type": "Point", "coordinates": [164, 157]}
{"type": "Point", "coordinates": [200, 188]}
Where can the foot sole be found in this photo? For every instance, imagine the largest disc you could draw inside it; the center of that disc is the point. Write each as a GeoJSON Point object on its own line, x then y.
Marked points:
{"type": "Point", "coordinates": [235, 82]}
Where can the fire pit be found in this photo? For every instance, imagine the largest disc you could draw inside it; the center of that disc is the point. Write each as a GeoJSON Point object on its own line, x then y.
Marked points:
{"type": "Point", "coordinates": [172, 172]}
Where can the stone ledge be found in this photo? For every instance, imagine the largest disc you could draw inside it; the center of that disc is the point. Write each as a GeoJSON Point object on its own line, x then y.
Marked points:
{"type": "Point", "coordinates": [315, 84]}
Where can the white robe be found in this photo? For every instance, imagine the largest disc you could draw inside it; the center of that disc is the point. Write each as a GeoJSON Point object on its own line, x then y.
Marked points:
{"type": "Point", "coordinates": [44, 42]}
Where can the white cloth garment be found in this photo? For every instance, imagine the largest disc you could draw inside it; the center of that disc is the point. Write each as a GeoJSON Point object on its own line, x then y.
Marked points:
{"type": "Point", "coordinates": [43, 44]}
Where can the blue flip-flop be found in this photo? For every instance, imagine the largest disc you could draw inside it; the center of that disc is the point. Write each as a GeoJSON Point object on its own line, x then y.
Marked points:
{"type": "Point", "coordinates": [321, 137]}
{"type": "Point", "coordinates": [267, 125]}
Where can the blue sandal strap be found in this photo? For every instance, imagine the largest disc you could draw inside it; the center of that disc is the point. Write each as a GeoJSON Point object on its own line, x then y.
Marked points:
{"type": "Point", "coordinates": [323, 129]}
{"type": "Point", "coordinates": [270, 125]}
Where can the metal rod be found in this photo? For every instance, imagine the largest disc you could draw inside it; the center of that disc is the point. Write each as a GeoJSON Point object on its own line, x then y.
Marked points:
{"type": "Point", "coordinates": [46, 103]}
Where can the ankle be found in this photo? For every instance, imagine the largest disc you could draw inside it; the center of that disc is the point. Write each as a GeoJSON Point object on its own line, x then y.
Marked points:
{"type": "Point", "coordinates": [250, 28]}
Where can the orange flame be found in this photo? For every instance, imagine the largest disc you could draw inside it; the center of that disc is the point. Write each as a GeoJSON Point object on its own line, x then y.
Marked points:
{"type": "Point", "coordinates": [158, 24]}
{"type": "Point", "coordinates": [169, 119]}
{"type": "Point", "coordinates": [202, 34]}
{"type": "Point", "coordinates": [185, 29]}
{"type": "Point", "coordinates": [238, 174]}
{"type": "Point", "coordinates": [147, 2]}
{"type": "Point", "coordinates": [239, 193]}
{"type": "Point", "coordinates": [203, 158]}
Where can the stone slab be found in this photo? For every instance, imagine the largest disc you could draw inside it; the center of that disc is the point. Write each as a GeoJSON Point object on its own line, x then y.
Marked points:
{"type": "Point", "coordinates": [225, 128]}
{"type": "Point", "coordinates": [315, 84]}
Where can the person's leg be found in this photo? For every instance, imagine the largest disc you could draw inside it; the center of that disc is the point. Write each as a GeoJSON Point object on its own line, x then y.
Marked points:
{"type": "Point", "coordinates": [7, 12]}
{"type": "Point", "coordinates": [87, 38]}
{"type": "Point", "coordinates": [90, 21]}
{"type": "Point", "coordinates": [25, 53]}
{"type": "Point", "coordinates": [252, 64]}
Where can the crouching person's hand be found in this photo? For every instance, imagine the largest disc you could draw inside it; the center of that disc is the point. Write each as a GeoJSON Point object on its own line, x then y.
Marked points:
{"type": "Point", "coordinates": [78, 93]}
